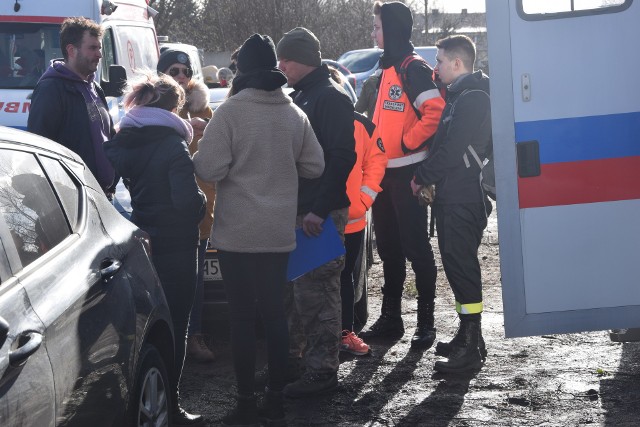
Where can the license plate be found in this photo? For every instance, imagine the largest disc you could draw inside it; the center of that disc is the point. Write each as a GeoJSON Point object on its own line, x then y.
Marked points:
{"type": "Point", "coordinates": [212, 270]}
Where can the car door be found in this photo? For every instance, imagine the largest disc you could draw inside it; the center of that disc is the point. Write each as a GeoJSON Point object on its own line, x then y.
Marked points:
{"type": "Point", "coordinates": [27, 394]}
{"type": "Point", "coordinates": [566, 119]}
{"type": "Point", "coordinates": [75, 284]}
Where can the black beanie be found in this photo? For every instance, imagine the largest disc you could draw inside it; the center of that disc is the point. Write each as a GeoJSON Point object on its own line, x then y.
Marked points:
{"type": "Point", "coordinates": [300, 45]}
{"type": "Point", "coordinates": [170, 57]}
{"type": "Point", "coordinates": [257, 53]}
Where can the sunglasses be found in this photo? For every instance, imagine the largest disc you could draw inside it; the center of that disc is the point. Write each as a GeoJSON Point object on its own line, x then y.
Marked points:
{"type": "Point", "coordinates": [174, 71]}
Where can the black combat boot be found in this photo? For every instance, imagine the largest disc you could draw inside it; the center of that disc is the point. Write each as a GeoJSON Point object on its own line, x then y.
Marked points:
{"type": "Point", "coordinates": [389, 324]}
{"type": "Point", "coordinates": [425, 334]}
{"type": "Point", "coordinates": [271, 409]}
{"type": "Point", "coordinates": [444, 348]}
{"type": "Point", "coordinates": [245, 414]}
{"type": "Point", "coordinates": [465, 354]}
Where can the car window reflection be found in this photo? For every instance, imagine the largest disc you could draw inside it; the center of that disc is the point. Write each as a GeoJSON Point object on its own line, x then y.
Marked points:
{"type": "Point", "coordinates": [29, 206]}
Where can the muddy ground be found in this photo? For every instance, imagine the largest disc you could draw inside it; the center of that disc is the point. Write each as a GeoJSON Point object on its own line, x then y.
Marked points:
{"type": "Point", "coordinates": [558, 380]}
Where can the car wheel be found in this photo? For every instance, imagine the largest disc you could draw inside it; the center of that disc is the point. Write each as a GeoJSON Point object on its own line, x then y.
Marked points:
{"type": "Point", "coordinates": [151, 401]}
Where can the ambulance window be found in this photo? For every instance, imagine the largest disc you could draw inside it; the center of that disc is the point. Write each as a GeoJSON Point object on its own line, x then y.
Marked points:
{"type": "Point", "coordinates": [108, 54]}
{"type": "Point", "coordinates": [26, 49]}
{"type": "Point", "coordinates": [550, 9]}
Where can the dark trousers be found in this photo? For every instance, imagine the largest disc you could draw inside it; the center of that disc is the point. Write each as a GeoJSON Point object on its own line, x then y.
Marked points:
{"type": "Point", "coordinates": [256, 280]}
{"type": "Point", "coordinates": [352, 245]}
{"type": "Point", "coordinates": [402, 233]}
{"type": "Point", "coordinates": [177, 271]}
{"type": "Point", "coordinates": [460, 228]}
{"type": "Point", "coordinates": [195, 321]}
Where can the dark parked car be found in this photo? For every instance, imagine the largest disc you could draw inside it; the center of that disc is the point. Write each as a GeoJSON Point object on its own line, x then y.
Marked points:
{"type": "Point", "coordinates": [85, 331]}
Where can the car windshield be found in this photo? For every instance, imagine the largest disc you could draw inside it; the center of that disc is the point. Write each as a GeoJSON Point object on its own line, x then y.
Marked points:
{"type": "Point", "coordinates": [360, 61]}
{"type": "Point", "coordinates": [25, 53]}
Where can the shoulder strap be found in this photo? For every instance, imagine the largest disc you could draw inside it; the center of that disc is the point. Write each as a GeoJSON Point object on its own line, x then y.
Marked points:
{"type": "Point", "coordinates": [402, 73]}
{"type": "Point", "coordinates": [473, 153]}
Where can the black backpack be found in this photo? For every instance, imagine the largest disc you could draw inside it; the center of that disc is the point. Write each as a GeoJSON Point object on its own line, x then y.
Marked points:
{"type": "Point", "coordinates": [487, 172]}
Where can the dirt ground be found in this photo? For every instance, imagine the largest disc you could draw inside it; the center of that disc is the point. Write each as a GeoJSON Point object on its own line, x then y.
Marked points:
{"type": "Point", "coordinates": [557, 380]}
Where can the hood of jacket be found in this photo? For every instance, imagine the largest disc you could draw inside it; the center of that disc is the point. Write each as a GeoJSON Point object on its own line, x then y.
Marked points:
{"type": "Point", "coordinates": [58, 70]}
{"type": "Point", "coordinates": [132, 148]}
{"type": "Point", "coordinates": [475, 80]}
{"type": "Point", "coordinates": [397, 25]}
{"type": "Point", "coordinates": [197, 97]}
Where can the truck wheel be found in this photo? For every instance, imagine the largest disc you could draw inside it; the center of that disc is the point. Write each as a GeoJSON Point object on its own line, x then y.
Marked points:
{"type": "Point", "coordinates": [151, 401]}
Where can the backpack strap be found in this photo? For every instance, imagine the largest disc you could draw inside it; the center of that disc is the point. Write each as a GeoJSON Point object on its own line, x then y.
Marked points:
{"type": "Point", "coordinates": [402, 73]}
{"type": "Point", "coordinates": [471, 150]}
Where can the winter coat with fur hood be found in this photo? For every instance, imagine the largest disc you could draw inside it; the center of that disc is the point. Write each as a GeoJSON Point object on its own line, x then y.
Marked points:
{"type": "Point", "coordinates": [197, 105]}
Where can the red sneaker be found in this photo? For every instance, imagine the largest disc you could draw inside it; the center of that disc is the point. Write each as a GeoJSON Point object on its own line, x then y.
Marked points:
{"type": "Point", "coordinates": [352, 344]}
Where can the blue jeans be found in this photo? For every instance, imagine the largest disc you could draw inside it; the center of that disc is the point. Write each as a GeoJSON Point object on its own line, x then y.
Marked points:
{"type": "Point", "coordinates": [195, 323]}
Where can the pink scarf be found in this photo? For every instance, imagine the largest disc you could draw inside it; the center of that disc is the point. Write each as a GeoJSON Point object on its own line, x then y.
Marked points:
{"type": "Point", "coordinates": [151, 116]}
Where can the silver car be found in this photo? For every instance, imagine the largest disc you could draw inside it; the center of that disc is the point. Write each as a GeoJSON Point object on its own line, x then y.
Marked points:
{"type": "Point", "coordinates": [85, 330]}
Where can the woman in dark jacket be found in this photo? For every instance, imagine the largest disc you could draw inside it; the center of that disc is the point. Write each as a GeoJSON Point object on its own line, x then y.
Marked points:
{"type": "Point", "coordinates": [150, 152]}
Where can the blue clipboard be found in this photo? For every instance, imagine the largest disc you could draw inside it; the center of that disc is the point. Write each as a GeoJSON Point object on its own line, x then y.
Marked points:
{"type": "Point", "coordinates": [312, 252]}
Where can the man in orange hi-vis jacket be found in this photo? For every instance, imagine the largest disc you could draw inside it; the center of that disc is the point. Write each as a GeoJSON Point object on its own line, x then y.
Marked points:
{"type": "Point", "coordinates": [407, 112]}
{"type": "Point", "coordinates": [363, 186]}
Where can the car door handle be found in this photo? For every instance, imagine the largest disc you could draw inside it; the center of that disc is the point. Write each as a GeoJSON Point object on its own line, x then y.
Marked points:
{"type": "Point", "coordinates": [30, 342]}
{"type": "Point", "coordinates": [109, 267]}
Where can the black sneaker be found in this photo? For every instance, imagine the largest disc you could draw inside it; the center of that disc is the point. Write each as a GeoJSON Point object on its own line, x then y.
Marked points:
{"type": "Point", "coordinates": [311, 384]}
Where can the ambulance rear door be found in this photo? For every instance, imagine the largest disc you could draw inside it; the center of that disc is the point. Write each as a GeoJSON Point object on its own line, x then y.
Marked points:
{"type": "Point", "coordinates": [565, 99]}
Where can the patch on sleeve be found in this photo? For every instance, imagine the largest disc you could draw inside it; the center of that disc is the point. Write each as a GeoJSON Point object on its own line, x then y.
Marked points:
{"type": "Point", "coordinates": [395, 92]}
{"type": "Point", "coordinates": [379, 144]}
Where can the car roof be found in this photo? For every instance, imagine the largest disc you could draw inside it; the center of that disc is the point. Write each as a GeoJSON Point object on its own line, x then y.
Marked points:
{"type": "Point", "coordinates": [31, 140]}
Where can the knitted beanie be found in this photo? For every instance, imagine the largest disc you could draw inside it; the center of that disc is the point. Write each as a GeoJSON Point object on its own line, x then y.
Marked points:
{"type": "Point", "coordinates": [257, 52]}
{"type": "Point", "coordinates": [300, 45]}
{"type": "Point", "coordinates": [170, 57]}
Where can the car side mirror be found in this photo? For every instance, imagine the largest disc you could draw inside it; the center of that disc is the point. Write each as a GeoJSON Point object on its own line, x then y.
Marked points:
{"type": "Point", "coordinates": [4, 331]}
{"type": "Point", "coordinates": [117, 81]}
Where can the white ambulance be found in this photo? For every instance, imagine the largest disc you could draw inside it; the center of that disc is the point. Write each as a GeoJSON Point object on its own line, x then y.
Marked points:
{"type": "Point", "coordinates": [30, 39]}
{"type": "Point", "coordinates": [565, 102]}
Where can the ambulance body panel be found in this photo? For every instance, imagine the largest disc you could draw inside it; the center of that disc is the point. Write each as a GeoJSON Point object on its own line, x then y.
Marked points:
{"type": "Point", "coordinates": [566, 135]}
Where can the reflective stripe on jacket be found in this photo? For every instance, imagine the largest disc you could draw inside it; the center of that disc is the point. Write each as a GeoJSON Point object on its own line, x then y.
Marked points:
{"type": "Point", "coordinates": [363, 184]}
{"type": "Point", "coordinates": [403, 133]}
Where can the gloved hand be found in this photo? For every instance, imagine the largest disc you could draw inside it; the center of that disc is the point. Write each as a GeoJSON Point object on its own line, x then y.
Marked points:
{"type": "Point", "coordinates": [426, 194]}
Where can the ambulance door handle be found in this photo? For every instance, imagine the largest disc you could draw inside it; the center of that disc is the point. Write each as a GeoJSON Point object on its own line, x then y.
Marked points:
{"type": "Point", "coordinates": [526, 87]}
{"type": "Point", "coordinates": [528, 153]}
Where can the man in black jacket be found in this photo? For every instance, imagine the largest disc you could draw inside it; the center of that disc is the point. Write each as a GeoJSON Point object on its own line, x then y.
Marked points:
{"type": "Point", "coordinates": [69, 107]}
{"type": "Point", "coordinates": [460, 206]}
{"type": "Point", "coordinates": [317, 293]}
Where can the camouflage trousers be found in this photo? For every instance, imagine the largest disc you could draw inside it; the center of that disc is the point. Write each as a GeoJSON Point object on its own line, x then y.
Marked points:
{"type": "Point", "coordinates": [314, 310]}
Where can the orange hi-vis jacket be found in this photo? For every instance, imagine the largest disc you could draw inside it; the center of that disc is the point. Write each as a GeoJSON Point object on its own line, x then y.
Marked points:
{"type": "Point", "coordinates": [363, 184]}
{"type": "Point", "coordinates": [403, 133]}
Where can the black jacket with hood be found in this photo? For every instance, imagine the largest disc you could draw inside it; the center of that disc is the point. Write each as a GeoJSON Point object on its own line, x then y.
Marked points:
{"type": "Point", "coordinates": [59, 112]}
{"type": "Point", "coordinates": [469, 125]}
{"type": "Point", "coordinates": [330, 112]}
{"type": "Point", "coordinates": [165, 198]}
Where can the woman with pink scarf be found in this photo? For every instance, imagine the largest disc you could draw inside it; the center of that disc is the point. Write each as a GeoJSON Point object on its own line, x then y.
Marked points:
{"type": "Point", "coordinates": [150, 153]}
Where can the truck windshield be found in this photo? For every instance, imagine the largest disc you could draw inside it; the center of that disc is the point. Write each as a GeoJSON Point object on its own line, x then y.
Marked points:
{"type": "Point", "coordinates": [26, 50]}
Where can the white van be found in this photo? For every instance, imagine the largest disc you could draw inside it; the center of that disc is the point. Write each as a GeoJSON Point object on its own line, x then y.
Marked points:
{"type": "Point", "coordinates": [30, 39]}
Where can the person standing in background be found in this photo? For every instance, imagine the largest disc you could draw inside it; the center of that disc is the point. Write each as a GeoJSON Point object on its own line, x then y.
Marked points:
{"type": "Point", "coordinates": [150, 151]}
{"type": "Point", "coordinates": [69, 107]}
{"type": "Point", "coordinates": [313, 300]}
{"type": "Point", "coordinates": [256, 148]}
{"type": "Point", "coordinates": [461, 207]}
{"type": "Point", "coordinates": [406, 115]}
{"type": "Point", "coordinates": [196, 111]}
